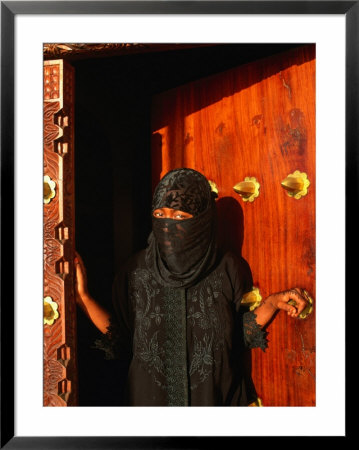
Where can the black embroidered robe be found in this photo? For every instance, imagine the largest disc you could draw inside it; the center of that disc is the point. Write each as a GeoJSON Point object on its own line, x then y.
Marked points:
{"type": "Point", "coordinates": [183, 348]}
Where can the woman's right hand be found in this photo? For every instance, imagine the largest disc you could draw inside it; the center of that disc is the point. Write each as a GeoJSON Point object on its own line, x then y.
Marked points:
{"type": "Point", "coordinates": [81, 279]}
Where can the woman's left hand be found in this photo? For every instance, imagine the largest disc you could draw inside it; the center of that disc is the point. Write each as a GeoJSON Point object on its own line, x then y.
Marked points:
{"type": "Point", "coordinates": [280, 301]}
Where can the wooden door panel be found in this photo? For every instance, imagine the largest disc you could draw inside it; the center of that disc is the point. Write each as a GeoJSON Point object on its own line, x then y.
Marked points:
{"type": "Point", "coordinates": [60, 367]}
{"type": "Point", "coordinates": [256, 120]}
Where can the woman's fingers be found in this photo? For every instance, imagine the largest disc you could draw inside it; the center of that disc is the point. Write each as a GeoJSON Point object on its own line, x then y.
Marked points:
{"type": "Point", "coordinates": [79, 263]}
{"type": "Point", "coordinates": [78, 259]}
{"type": "Point", "coordinates": [293, 302]}
{"type": "Point", "coordinates": [290, 309]}
{"type": "Point", "coordinates": [300, 302]}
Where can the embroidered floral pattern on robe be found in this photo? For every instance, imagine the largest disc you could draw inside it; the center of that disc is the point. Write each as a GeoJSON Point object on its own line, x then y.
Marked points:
{"type": "Point", "coordinates": [204, 315]}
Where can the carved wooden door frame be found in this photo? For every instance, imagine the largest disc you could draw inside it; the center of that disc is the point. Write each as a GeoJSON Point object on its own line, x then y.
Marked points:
{"type": "Point", "coordinates": [60, 366]}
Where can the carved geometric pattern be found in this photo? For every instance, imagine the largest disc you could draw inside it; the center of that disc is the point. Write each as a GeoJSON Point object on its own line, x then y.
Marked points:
{"type": "Point", "coordinates": [52, 82]}
{"type": "Point", "coordinates": [62, 148]}
{"type": "Point", "coordinates": [60, 366]}
{"type": "Point", "coordinates": [64, 389]}
{"type": "Point", "coordinates": [64, 354]}
{"type": "Point", "coordinates": [62, 267]}
{"type": "Point", "coordinates": [61, 232]}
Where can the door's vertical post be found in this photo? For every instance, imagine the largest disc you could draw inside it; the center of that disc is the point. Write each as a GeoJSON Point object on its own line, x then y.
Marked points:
{"type": "Point", "coordinates": [60, 366]}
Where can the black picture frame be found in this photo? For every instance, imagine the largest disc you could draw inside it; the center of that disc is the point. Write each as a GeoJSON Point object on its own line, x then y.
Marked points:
{"type": "Point", "coordinates": [9, 10]}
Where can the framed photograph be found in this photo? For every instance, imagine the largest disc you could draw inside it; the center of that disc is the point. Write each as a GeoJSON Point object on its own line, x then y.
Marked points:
{"type": "Point", "coordinates": [259, 97]}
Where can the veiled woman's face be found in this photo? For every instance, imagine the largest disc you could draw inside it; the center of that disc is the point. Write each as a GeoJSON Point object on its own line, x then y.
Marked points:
{"type": "Point", "coordinates": [169, 213]}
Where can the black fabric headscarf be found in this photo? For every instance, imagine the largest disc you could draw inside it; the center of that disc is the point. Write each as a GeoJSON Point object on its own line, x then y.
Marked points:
{"type": "Point", "coordinates": [180, 252]}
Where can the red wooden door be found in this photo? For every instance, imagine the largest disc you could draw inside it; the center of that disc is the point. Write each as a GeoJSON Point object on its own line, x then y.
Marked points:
{"type": "Point", "coordinates": [60, 367]}
{"type": "Point", "coordinates": [257, 120]}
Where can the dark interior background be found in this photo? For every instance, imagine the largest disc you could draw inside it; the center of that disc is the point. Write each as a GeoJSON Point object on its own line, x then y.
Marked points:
{"type": "Point", "coordinates": [113, 174]}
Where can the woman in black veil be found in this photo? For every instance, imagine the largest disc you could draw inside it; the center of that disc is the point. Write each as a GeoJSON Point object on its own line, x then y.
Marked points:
{"type": "Point", "coordinates": [177, 319]}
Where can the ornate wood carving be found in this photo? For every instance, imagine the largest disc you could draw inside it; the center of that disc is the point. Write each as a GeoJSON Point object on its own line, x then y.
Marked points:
{"type": "Point", "coordinates": [79, 50]}
{"type": "Point", "coordinates": [63, 49]}
{"type": "Point", "coordinates": [60, 371]}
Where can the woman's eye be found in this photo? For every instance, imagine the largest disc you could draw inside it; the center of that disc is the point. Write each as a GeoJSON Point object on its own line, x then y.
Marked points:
{"type": "Point", "coordinates": [179, 216]}
{"type": "Point", "coordinates": [158, 214]}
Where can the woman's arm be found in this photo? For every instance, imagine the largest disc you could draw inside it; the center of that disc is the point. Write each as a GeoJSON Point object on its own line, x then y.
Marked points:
{"type": "Point", "coordinates": [96, 313]}
{"type": "Point", "coordinates": [278, 301]}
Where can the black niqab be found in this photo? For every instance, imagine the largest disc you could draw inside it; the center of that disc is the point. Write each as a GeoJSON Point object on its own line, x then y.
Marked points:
{"type": "Point", "coordinates": [181, 252]}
